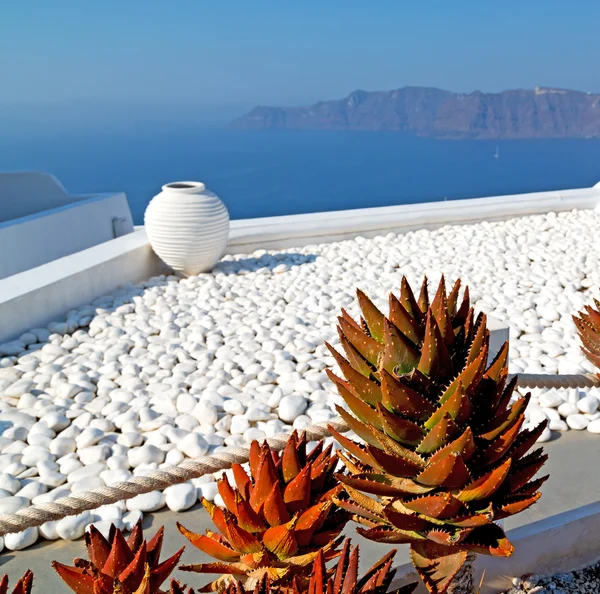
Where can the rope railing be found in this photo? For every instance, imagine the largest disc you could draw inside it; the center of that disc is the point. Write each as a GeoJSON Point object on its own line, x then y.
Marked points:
{"type": "Point", "coordinates": [157, 480]}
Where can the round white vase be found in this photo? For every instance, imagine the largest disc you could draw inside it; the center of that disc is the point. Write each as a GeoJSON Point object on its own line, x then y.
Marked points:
{"type": "Point", "coordinates": [188, 227]}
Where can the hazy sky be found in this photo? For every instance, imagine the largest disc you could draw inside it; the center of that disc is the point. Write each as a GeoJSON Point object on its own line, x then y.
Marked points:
{"type": "Point", "coordinates": [220, 53]}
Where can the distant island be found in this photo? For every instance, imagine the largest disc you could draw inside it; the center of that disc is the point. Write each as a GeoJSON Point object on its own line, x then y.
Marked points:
{"type": "Point", "coordinates": [435, 113]}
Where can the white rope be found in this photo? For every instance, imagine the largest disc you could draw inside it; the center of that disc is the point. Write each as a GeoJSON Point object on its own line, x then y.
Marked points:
{"type": "Point", "coordinates": [157, 480]}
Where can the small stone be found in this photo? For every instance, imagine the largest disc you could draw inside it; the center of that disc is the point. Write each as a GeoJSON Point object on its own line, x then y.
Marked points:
{"type": "Point", "coordinates": [146, 454]}
{"type": "Point", "coordinates": [48, 531]}
{"type": "Point", "coordinates": [147, 502]}
{"type": "Point", "coordinates": [291, 407]}
{"type": "Point", "coordinates": [73, 527]}
{"type": "Point", "coordinates": [180, 497]}
{"type": "Point", "coordinates": [130, 519]}
{"type": "Point", "coordinates": [577, 422]}
{"type": "Point", "coordinates": [193, 445]}
{"type": "Point", "coordinates": [588, 404]}
{"type": "Point", "coordinates": [21, 540]}
{"type": "Point", "coordinates": [10, 505]}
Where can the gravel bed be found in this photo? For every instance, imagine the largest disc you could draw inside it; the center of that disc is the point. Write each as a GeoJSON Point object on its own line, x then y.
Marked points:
{"type": "Point", "coordinates": [581, 581]}
{"type": "Point", "coordinates": [174, 368]}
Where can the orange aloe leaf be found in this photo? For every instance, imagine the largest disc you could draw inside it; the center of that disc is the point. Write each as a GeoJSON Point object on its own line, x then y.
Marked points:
{"type": "Point", "coordinates": [408, 301]}
{"type": "Point", "coordinates": [437, 564]}
{"type": "Point", "coordinates": [242, 481]}
{"type": "Point", "coordinates": [97, 546]}
{"type": "Point", "coordinates": [489, 540]}
{"type": "Point", "coordinates": [368, 347]}
{"type": "Point", "coordinates": [438, 505]}
{"type": "Point", "coordinates": [499, 446]}
{"type": "Point", "coordinates": [254, 458]}
{"type": "Point", "coordinates": [516, 505]}
{"type": "Point", "coordinates": [439, 308]}
{"type": "Point", "coordinates": [227, 493]}
{"type": "Point", "coordinates": [505, 420]}
{"type": "Point", "coordinates": [531, 487]}
{"type": "Point", "coordinates": [367, 389]}
{"type": "Point", "coordinates": [274, 509]}
{"type": "Point", "coordinates": [399, 354]}
{"type": "Point", "coordinates": [458, 406]}
{"type": "Point", "coordinates": [265, 478]}
{"type": "Point", "coordinates": [377, 484]}
{"type": "Point", "coordinates": [217, 515]}
{"type": "Point", "coordinates": [394, 465]}
{"type": "Point", "coordinates": [297, 492]}
{"type": "Point", "coordinates": [481, 339]}
{"type": "Point", "coordinates": [390, 535]}
{"type": "Point", "coordinates": [372, 315]}
{"type": "Point", "coordinates": [450, 472]}
{"type": "Point", "coordinates": [453, 297]}
{"type": "Point", "coordinates": [351, 573]}
{"type": "Point", "coordinates": [209, 546]}
{"type": "Point", "coordinates": [526, 440]}
{"type": "Point", "coordinates": [134, 540]}
{"type": "Point", "coordinates": [119, 558]}
{"type": "Point", "coordinates": [423, 301]}
{"type": "Point", "coordinates": [154, 546]}
{"type": "Point", "coordinates": [75, 578]}
{"type": "Point", "coordinates": [360, 428]}
{"type": "Point", "coordinates": [439, 435]}
{"type": "Point", "coordinates": [404, 321]}
{"type": "Point", "coordinates": [393, 448]}
{"type": "Point", "coordinates": [357, 361]}
{"type": "Point", "coordinates": [290, 461]}
{"type": "Point", "coordinates": [222, 568]}
{"type": "Point", "coordinates": [525, 468]}
{"type": "Point", "coordinates": [499, 364]}
{"type": "Point", "coordinates": [23, 586]}
{"type": "Point", "coordinates": [132, 575]}
{"type": "Point", "coordinates": [463, 446]}
{"type": "Point", "coordinates": [396, 427]}
{"type": "Point", "coordinates": [310, 521]}
{"type": "Point", "coordinates": [161, 572]}
{"type": "Point", "coordinates": [354, 448]}
{"type": "Point", "coordinates": [247, 518]}
{"type": "Point", "coordinates": [435, 361]}
{"type": "Point", "coordinates": [144, 586]}
{"type": "Point", "coordinates": [359, 407]}
{"type": "Point", "coordinates": [486, 485]}
{"type": "Point", "coordinates": [403, 521]}
{"type": "Point", "coordinates": [242, 541]}
{"type": "Point", "coordinates": [280, 540]}
{"type": "Point", "coordinates": [400, 398]}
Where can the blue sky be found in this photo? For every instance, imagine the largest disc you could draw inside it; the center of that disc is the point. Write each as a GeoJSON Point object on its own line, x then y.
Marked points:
{"type": "Point", "coordinates": [238, 53]}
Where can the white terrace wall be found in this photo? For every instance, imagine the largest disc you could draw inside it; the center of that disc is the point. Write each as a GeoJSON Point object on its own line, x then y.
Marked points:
{"type": "Point", "coordinates": [46, 293]}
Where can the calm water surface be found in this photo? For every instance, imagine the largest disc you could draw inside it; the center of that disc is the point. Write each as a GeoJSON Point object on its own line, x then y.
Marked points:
{"type": "Point", "coordinates": [287, 172]}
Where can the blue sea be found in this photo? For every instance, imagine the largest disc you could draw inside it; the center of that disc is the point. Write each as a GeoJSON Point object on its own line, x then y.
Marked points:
{"type": "Point", "coordinates": [265, 173]}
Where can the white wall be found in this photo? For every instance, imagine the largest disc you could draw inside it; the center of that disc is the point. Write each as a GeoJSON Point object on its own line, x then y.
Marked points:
{"type": "Point", "coordinates": [23, 193]}
{"type": "Point", "coordinates": [44, 294]}
{"type": "Point", "coordinates": [39, 238]}
{"type": "Point", "coordinates": [248, 235]}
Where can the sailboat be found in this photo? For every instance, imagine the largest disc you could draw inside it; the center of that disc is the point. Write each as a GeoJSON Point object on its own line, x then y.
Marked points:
{"type": "Point", "coordinates": [497, 153]}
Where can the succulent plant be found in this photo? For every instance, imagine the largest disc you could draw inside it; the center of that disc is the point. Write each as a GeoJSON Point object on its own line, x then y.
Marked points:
{"type": "Point", "coordinates": [444, 447]}
{"type": "Point", "coordinates": [276, 520]}
{"type": "Point", "coordinates": [23, 586]}
{"type": "Point", "coordinates": [343, 579]}
{"type": "Point", "coordinates": [121, 566]}
{"type": "Point", "coordinates": [588, 327]}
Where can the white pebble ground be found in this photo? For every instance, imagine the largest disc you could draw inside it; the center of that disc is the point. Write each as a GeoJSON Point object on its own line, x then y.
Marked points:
{"type": "Point", "coordinates": [173, 368]}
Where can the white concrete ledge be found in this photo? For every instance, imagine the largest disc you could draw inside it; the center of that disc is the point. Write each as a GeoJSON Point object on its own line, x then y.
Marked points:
{"type": "Point", "coordinates": [560, 543]}
{"type": "Point", "coordinates": [46, 293]}
{"type": "Point", "coordinates": [41, 237]}
{"type": "Point", "coordinates": [248, 235]}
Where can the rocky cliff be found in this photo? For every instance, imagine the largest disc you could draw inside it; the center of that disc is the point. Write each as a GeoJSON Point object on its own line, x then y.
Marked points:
{"type": "Point", "coordinates": [538, 113]}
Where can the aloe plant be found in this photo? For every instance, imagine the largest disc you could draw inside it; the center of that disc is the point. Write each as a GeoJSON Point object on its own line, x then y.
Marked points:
{"type": "Point", "coordinates": [588, 326]}
{"type": "Point", "coordinates": [276, 520]}
{"type": "Point", "coordinates": [121, 566]}
{"type": "Point", "coordinates": [343, 579]}
{"type": "Point", "coordinates": [443, 447]}
{"type": "Point", "coordinates": [23, 586]}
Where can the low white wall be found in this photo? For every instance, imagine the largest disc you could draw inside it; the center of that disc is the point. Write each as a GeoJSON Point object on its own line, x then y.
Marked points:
{"type": "Point", "coordinates": [42, 237]}
{"type": "Point", "coordinates": [559, 543]}
{"type": "Point", "coordinates": [44, 294]}
{"type": "Point", "coordinates": [248, 235]}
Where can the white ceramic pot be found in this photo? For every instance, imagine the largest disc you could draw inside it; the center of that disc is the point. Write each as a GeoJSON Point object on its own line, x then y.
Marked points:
{"type": "Point", "coordinates": [188, 227]}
